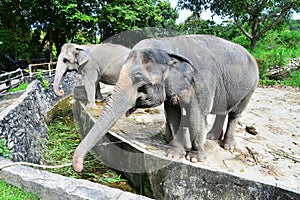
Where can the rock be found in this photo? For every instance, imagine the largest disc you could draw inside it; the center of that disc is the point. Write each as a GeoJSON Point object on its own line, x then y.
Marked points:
{"type": "Point", "coordinates": [251, 130]}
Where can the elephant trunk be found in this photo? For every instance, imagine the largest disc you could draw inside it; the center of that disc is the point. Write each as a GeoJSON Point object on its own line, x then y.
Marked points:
{"type": "Point", "coordinates": [123, 98]}
{"type": "Point", "coordinates": [61, 68]}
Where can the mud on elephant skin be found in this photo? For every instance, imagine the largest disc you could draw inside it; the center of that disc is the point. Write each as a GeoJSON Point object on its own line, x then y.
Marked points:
{"type": "Point", "coordinates": [96, 62]}
{"type": "Point", "coordinates": [193, 76]}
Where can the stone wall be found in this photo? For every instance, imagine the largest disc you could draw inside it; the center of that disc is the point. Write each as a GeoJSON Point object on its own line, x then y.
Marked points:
{"type": "Point", "coordinates": [22, 122]}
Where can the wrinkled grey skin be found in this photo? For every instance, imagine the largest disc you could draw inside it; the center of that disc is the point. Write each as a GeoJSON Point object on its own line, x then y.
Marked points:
{"type": "Point", "coordinates": [193, 76]}
{"type": "Point", "coordinates": [96, 62]}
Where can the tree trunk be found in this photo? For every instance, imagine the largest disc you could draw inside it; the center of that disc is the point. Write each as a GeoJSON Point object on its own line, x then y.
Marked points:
{"type": "Point", "coordinates": [254, 42]}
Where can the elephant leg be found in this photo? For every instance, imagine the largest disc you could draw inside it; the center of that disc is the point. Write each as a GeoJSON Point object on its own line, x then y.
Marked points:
{"type": "Point", "coordinates": [173, 115]}
{"type": "Point", "coordinates": [90, 88]}
{"type": "Point", "coordinates": [177, 124]}
{"type": "Point", "coordinates": [216, 132]}
{"type": "Point", "coordinates": [198, 126]}
{"type": "Point", "coordinates": [99, 96]}
{"type": "Point", "coordinates": [177, 132]}
{"type": "Point", "coordinates": [233, 118]}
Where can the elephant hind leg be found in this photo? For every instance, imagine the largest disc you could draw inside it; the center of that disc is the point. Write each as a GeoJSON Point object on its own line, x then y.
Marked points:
{"type": "Point", "coordinates": [216, 132]}
{"type": "Point", "coordinates": [229, 141]}
{"type": "Point", "coordinates": [233, 118]}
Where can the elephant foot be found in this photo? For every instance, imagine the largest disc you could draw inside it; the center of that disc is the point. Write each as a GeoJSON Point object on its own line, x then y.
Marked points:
{"type": "Point", "coordinates": [214, 136]}
{"type": "Point", "coordinates": [176, 152]}
{"type": "Point", "coordinates": [229, 144]}
{"type": "Point", "coordinates": [196, 156]}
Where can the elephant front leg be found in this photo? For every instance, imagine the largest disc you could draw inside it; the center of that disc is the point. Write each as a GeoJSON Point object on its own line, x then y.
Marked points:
{"type": "Point", "coordinates": [177, 122]}
{"type": "Point", "coordinates": [198, 133]}
{"type": "Point", "coordinates": [173, 116]}
{"type": "Point", "coordinates": [177, 132]}
{"type": "Point", "coordinates": [90, 89]}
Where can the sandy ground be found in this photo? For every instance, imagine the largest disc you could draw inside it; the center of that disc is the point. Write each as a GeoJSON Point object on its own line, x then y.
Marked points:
{"type": "Point", "coordinates": [271, 156]}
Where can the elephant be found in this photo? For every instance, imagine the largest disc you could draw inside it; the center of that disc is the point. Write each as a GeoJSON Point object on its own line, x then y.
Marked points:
{"type": "Point", "coordinates": [194, 76]}
{"type": "Point", "coordinates": [96, 62]}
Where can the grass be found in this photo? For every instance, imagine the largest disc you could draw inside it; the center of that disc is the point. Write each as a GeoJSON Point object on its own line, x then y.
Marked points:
{"type": "Point", "coordinates": [63, 140]}
{"type": "Point", "coordinates": [276, 48]}
{"type": "Point", "coordinates": [21, 86]}
{"type": "Point", "coordinates": [292, 80]}
{"type": "Point", "coordinates": [9, 192]}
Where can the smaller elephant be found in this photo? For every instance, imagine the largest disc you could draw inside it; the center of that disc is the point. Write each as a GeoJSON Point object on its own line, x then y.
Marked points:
{"type": "Point", "coordinates": [96, 62]}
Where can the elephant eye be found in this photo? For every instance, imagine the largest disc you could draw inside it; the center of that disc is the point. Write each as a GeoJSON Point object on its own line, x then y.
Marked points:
{"type": "Point", "coordinates": [65, 60]}
{"type": "Point", "coordinates": [138, 77]}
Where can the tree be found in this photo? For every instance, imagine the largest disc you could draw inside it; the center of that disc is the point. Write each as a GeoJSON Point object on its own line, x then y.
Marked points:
{"type": "Point", "coordinates": [253, 17]}
{"type": "Point", "coordinates": [14, 30]}
{"type": "Point", "coordinates": [195, 25]}
{"type": "Point", "coordinates": [121, 15]}
{"type": "Point", "coordinates": [39, 25]}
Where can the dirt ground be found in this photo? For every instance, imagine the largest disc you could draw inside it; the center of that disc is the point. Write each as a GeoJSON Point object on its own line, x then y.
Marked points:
{"type": "Point", "coordinates": [270, 153]}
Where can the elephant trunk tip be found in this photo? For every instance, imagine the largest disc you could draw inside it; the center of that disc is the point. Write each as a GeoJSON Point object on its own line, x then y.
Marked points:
{"type": "Point", "coordinates": [59, 92]}
{"type": "Point", "coordinates": [77, 163]}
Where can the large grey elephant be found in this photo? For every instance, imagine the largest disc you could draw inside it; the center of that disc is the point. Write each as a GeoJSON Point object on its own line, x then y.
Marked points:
{"type": "Point", "coordinates": [193, 76]}
{"type": "Point", "coordinates": [96, 62]}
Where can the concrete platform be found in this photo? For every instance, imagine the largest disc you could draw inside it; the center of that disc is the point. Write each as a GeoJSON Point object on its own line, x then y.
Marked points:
{"type": "Point", "coordinates": [263, 166]}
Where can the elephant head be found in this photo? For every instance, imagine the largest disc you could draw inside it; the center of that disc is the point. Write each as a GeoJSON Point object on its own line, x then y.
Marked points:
{"type": "Point", "coordinates": [148, 78]}
{"type": "Point", "coordinates": [72, 56]}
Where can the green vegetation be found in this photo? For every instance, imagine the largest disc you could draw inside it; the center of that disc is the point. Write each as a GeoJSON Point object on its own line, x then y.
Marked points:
{"type": "Point", "coordinates": [4, 150]}
{"type": "Point", "coordinates": [10, 192]}
{"type": "Point", "coordinates": [265, 28]}
{"type": "Point", "coordinates": [45, 83]}
{"type": "Point", "coordinates": [253, 18]}
{"type": "Point", "coordinates": [276, 49]}
{"type": "Point", "coordinates": [63, 140]}
{"type": "Point", "coordinates": [40, 26]}
{"type": "Point", "coordinates": [21, 86]}
{"type": "Point", "coordinates": [292, 80]}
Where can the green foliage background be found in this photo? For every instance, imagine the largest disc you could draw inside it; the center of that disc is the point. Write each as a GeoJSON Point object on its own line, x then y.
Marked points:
{"type": "Point", "coordinates": [31, 28]}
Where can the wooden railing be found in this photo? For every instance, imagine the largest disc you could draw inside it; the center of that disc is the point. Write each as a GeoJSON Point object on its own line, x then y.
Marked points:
{"type": "Point", "coordinates": [46, 67]}
{"type": "Point", "coordinates": [10, 79]}
{"type": "Point", "coordinates": [13, 79]}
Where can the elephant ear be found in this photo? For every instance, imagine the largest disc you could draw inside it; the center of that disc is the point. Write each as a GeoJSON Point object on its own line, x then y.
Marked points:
{"type": "Point", "coordinates": [82, 55]}
{"type": "Point", "coordinates": [180, 76]}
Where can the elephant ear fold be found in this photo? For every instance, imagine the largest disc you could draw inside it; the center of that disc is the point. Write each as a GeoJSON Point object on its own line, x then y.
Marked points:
{"type": "Point", "coordinates": [82, 56]}
{"type": "Point", "coordinates": [180, 75]}
{"type": "Point", "coordinates": [183, 66]}
{"type": "Point", "coordinates": [175, 58]}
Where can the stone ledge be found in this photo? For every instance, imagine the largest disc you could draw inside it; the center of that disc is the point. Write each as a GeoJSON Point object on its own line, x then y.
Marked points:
{"type": "Point", "coordinates": [53, 186]}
